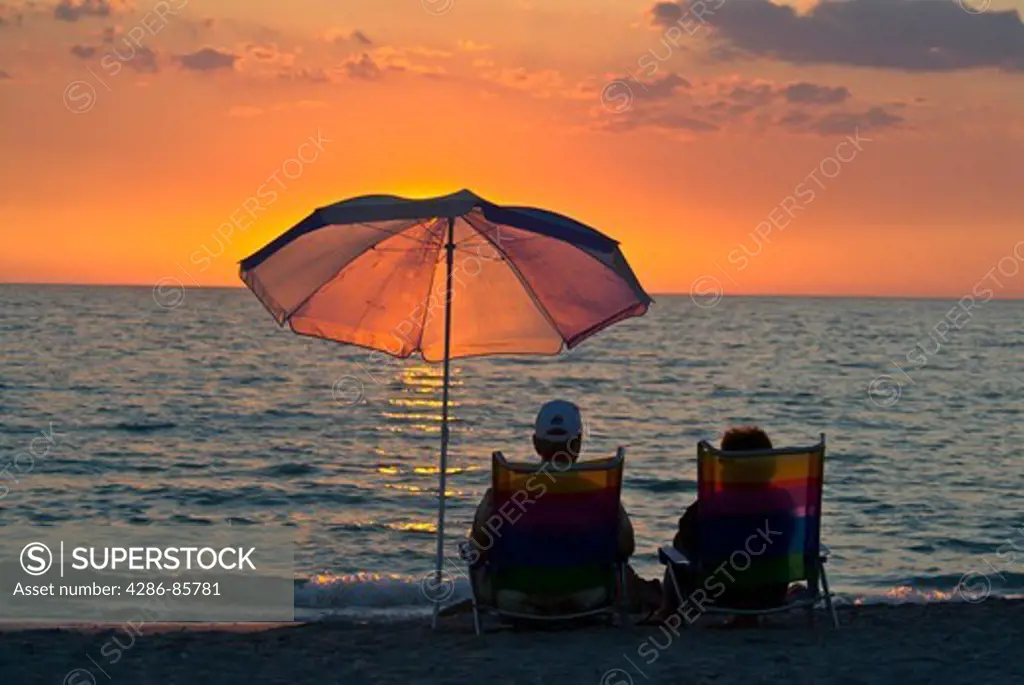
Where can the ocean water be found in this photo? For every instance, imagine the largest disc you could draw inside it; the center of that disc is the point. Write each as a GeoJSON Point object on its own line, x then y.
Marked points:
{"type": "Point", "coordinates": [193, 408]}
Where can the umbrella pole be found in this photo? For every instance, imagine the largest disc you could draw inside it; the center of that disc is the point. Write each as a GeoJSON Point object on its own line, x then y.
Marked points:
{"type": "Point", "coordinates": [443, 477]}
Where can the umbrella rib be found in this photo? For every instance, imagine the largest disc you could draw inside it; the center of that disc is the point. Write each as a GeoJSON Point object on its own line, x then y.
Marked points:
{"type": "Point", "coordinates": [394, 272]}
{"type": "Point", "coordinates": [344, 266]}
{"type": "Point", "coordinates": [320, 287]}
{"type": "Point", "coordinates": [366, 310]}
{"type": "Point", "coordinates": [441, 234]}
{"type": "Point", "coordinates": [522, 281]}
{"type": "Point", "coordinates": [466, 243]}
{"type": "Point", "coordinates": [339, 342]}
{"type": "Point", "coordinates": [396, 234]}
{"type": "Point", "coordinates": [614, 318]}
{"type": "Point", "coordinates": [516, 240]}
{"type": "Point", "coordinates": [433, 275]}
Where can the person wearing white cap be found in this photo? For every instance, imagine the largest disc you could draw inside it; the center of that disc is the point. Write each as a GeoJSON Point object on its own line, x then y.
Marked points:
{"type": "Point", "coordinates": [558, 431]}
{"type": "Point", "coordinates": [558, 440]}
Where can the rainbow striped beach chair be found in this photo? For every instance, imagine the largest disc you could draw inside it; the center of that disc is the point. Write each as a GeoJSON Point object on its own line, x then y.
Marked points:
{"type": "Point", "coordinates": [758, 525]}
{"type": "Point", "coordinates": [557, 538]}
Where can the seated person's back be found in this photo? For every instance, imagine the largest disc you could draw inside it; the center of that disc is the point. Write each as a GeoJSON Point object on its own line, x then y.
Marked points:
{"type": "Point", "coordinates": [557, 439]}
{"type": "Point", "coordinates": [771, 499]}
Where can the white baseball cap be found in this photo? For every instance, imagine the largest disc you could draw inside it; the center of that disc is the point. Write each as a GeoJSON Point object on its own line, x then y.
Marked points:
{"type": "Point", "coordinates": [558, 420]}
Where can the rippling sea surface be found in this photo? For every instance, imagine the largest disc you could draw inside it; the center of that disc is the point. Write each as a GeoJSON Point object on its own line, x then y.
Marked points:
{"type": "Point", "coordinates": [205, 413]}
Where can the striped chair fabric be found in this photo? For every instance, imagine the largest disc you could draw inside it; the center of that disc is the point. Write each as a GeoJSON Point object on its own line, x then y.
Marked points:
{"type": "Point", "coordinates": [760, 514]}
{"type": "Point", "coordinates": [559, 527]}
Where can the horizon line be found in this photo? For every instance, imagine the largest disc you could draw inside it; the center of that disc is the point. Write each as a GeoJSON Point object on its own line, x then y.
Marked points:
{"type": "Point", "coordinates": [655, 295]}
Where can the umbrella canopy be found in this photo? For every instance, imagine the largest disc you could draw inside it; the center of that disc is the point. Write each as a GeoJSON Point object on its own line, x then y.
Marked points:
{"type": "Point", "coordinates": [370, 271]}
{"type": "Point", "coordinates": [445, 277]}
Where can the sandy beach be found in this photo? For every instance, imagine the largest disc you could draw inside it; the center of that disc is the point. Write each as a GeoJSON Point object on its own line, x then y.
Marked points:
{"type": "Point", "coordinates": [919, 643]}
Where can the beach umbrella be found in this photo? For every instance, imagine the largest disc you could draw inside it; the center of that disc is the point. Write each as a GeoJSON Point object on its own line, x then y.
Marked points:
{"type": "Point", "coordinates": [445, 277]}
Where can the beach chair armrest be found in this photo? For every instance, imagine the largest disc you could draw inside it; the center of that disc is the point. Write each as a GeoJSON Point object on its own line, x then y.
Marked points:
{"type": "Point", "coordinates": [823, 552]}
{"type": "Point", "coordinates": [670, 556]}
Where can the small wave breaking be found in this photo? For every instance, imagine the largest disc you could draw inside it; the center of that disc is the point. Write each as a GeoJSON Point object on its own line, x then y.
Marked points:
{"type": "Point", "coordinates": [370, 596]}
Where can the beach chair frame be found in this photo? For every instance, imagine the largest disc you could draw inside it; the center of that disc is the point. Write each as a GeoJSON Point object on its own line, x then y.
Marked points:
{"type": "Point", "coordinates": [818, 587]}
{"type": "Point", "coordinates": [617, 604]}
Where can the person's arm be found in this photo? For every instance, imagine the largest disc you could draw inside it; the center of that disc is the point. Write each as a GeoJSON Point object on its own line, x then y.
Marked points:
{"type": "Point", "coordinates": [627, 539]}
{"type": "Point", "coordinates": [482, 540]}
{"type": "Point", "coordinates": [686, 537]}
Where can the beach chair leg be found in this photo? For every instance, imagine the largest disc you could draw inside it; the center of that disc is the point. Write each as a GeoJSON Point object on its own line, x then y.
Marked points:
{"type": "Point", "coordinates": [675, 585]}
{"type": "Point", "coordinates": [476, 601]}
{"type": "Point", "coordinates": [828, 597]}
{"type": "Point", "coordinates": [623, 598]}
{"type": "Point", "coordinates": [476, 617]}
{"type": "Point", "coordinates": [678, 590]}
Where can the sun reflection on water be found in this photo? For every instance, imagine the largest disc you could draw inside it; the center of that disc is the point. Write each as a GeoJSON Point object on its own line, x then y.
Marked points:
{"type": "Point", "coordinates": [411, 416]}
{"type": "Point", "coordinates": [434, 470]}
{"type": "Point", "coordinates": [413, 527]}
{"type": "Point", "coordinates": [419, 379]}
{"type": "Point", "coordinates": [406, 465]}
{"type": "Point", "coordinates": [406, 402]}
{"type": "Point", "coordinates": [411, 428]}
{"type": "Point", "coordinates": [416, 489]}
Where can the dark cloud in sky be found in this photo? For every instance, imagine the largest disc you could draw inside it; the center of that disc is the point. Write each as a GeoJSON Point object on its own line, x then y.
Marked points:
{"type": "Point", "coordinates": [838, 123]}
{"type": "Point", "coordinates": [363, 68]}
{"type": "Point", "coordinates": [802, 93]}
{"type": "Point", "coordinates": [666, 13]}
{"type": "Point", "coordinates": [666, 119]}
{"type": "Point", "coordinates": [207, 59]}
{"type": "Point", "coordinates": [801, 107]}
{"type": "Point", "coordinates": [84, 51]}
{"type": "Point", "coordinates": [911, 35]}
{"type": "Point", "coordinates": [343, 38]}
{"type": "Point", "coordinates": [139, 58]}
{"type": "Point", "coordinates": [753, 95]}
{"type": "Point", "coordinates": [144, 60]}
{"type": "Point", "coordinates": [657, 88]}
{"type": "Point", "coordinates": [361, 38]}
{"type": "Point", "coordinates": [73, 10]}
{"type": "Point", "coordinates": [842, 123]}
{"type": "Point", "coordinates": [811, 94]}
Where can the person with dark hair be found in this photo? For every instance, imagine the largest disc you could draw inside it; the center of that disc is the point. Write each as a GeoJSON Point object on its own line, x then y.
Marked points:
{"type": "Point", "coordinates": [687, 541]}
{"type": "Point", "coordinates": [742, 439]}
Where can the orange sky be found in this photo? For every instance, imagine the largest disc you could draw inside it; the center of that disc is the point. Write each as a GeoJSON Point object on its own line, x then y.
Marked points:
{"type": "Point", "coordinates": [132, 131]}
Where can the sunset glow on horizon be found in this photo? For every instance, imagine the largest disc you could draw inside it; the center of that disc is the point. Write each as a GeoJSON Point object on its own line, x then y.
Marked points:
{"type": "Point", "coordinates": [774, 147]}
